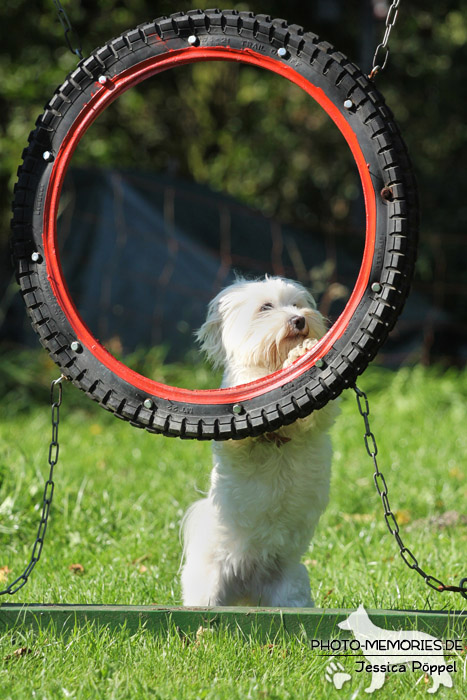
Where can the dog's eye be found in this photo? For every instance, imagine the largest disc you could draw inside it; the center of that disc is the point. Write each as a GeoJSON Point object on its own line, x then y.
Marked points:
{"type": "Point", "coordinates": [266, 307]}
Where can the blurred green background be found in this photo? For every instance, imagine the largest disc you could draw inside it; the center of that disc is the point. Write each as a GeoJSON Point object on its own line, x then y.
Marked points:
{"type": "Point", "coordinates": [244, 137]}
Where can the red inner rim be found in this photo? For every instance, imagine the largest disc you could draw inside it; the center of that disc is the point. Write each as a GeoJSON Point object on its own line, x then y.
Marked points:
{"type": "Point", "coordinates": [105, 95]}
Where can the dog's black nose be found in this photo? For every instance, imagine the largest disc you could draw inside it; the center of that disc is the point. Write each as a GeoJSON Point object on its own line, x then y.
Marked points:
{"type": "Point", "coordinates": [297, 322]}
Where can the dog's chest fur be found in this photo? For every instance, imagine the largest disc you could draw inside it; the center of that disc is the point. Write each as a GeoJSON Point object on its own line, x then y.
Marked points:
{"type": "Point", "coordinates": [270, 492]}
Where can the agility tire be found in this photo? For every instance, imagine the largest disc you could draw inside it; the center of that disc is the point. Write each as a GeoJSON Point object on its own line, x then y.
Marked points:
{"type": "Point", "coordinates": [359, 111]}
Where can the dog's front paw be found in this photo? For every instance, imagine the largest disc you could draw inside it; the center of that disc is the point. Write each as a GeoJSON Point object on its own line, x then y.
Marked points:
{"type": "Point", "coordinates": [298, 351]}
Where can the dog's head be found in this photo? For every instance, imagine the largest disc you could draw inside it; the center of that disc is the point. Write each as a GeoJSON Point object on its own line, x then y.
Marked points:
{"type": "Point", "coordinates": [256, 324]}
{"type": "Point", "coordinates": [355, 620]}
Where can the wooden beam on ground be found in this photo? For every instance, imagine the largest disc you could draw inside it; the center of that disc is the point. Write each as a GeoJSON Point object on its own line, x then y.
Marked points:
{"type": "Point", "coordinates": [315, 623]}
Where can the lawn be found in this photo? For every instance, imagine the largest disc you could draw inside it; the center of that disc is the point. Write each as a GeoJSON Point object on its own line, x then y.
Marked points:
{"type": "Point", "coordinates": [114, 538]}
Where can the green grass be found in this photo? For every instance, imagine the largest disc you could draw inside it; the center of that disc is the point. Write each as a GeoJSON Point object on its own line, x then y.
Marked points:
{"type": "Point", "coordinates": [120, 494]}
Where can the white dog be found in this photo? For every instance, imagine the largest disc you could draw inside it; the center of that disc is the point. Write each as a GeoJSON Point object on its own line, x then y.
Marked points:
{"type": "Point", "coordinates": [243, 543]}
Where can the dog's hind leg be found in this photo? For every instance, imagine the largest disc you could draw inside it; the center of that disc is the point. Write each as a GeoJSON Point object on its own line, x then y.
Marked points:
{"type": "Point", "coordinates": [204, 579]}
{"type": "Point", "coordinates": [440, 678]}
{"type": "Point", "coordinates": [203, 584]}
{"type": "Point", "coordinates": [377, 680]}
{"type": "Point", "coordinates": [290, 589]}
{"type": "Point", "coordinates": [199, 572]}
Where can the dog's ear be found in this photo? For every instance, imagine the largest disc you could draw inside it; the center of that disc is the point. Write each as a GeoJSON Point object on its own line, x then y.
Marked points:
{"type": "Point", "coordinates": [210, 335]}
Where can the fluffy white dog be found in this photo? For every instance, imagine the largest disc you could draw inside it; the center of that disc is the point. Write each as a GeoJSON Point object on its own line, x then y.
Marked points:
{"type": "Point", "coordinates": [243, 543]}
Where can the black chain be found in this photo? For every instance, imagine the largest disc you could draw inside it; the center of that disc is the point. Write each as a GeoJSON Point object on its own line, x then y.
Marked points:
{"type": "Point", "coordinates": [48, 491]}
{"type": "Point", "coordinates": [71, 35]}
{"type": "Point", "coordinates": [382, 50]}
{"type": "Point", "coordinates": [391, 522]}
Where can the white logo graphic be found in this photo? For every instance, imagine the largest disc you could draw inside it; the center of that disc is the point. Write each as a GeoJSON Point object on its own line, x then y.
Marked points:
{"type": "Point", "coordinates": [335, 673]}
{"type": "Point", "coordinates": [393, 651]}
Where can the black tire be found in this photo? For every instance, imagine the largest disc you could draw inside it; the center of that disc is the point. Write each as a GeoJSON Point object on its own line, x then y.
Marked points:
{"type": "Point", "coordinates": [385, 287]}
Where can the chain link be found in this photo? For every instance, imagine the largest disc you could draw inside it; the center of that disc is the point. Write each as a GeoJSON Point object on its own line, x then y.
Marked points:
{"type": "Point", "coordinates": [55, 402]}
{"type": "Point", "coordinates": [71, 35]}
{"type": "Point", "coordinates": [391, 522]}
{"type": "Point", "coordinates": [382, 50]}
